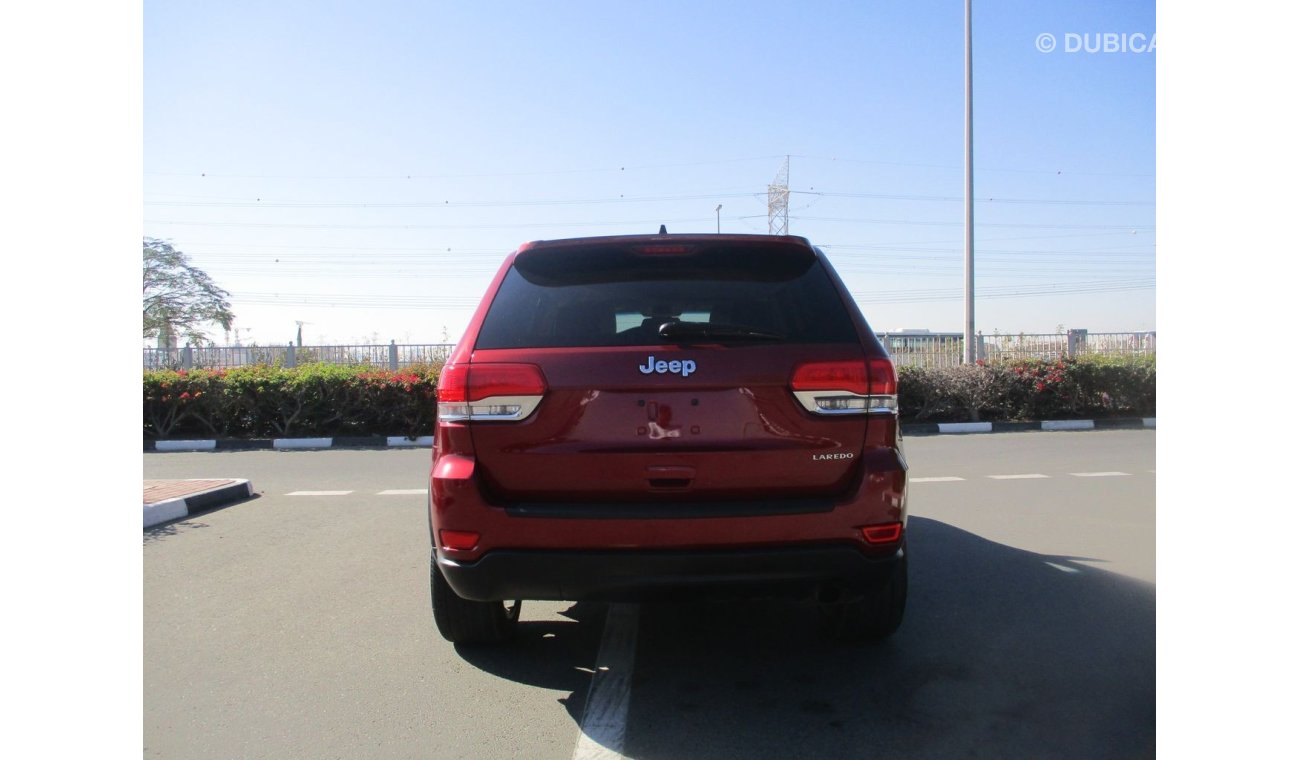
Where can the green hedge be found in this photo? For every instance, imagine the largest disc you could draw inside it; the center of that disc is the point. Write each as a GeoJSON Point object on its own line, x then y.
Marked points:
{"type": "Point", "coordinates": [312, 400]}
{"type": "Point", "coordinates": [1084, 388]}
{"type": "Point", "coordinates": [336, 400]}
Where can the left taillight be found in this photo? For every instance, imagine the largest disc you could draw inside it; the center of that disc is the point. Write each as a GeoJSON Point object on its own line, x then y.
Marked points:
{"type": "Point", "coordinates": [847, 387]}
{"type": "Point", "coordinates": [489, 392]}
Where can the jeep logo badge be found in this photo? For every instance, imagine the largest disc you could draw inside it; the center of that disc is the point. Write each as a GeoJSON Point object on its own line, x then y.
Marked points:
{"type": "Point", "coordinates": [683, 367]}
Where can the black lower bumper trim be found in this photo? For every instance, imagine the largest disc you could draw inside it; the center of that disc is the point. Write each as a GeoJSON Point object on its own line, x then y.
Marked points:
{"type": "Point", "coordinates": [642, 575]}
{"type": "Point", "coordinates": [670, 509]}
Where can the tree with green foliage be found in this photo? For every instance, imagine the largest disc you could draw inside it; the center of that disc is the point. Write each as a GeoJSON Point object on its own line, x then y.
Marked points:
{"type": "Point", "coordinates": [179, 297]}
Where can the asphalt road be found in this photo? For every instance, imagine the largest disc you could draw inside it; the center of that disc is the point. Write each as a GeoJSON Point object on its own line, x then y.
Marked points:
{"type": "Point", "coordinates": [297, 624]}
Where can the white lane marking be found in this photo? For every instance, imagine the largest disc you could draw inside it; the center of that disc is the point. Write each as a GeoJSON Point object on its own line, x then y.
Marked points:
{"type": "Point", "coordinates": [1097, 474]}
{"type": "Point", "coordinates": [934, 480]}
{"type": "Point", "coordinates": [604, 719]}
{"type": "Point", "coordinates": [1019, 477]}
{"type": "Point", "coordinates": [1062, 568]}
{"type": "Point", "coordinates": [404, 492]}
{"type": "Point", "coordinates": [318, 493]}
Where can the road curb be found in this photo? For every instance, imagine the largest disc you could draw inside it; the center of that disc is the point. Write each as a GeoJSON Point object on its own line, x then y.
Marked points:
{"type": "Point", "coordinates": [969, 428]}
{"type": "Point", "coordinates": [174, 509]}
{"type": "Point", "coordinates": [402, 441]}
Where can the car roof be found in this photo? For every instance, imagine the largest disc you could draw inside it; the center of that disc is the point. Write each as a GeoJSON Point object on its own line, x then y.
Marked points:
{"type": "Point", "coordinates": [775, 241]}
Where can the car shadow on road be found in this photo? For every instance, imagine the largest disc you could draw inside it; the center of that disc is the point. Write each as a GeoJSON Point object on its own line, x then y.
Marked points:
{"type": "Point", "coordinates": [1002, 653]}
{"type": "Point", "coordinates": [190, 522]}
{"type": "Point", "coordinates": [551, 654]}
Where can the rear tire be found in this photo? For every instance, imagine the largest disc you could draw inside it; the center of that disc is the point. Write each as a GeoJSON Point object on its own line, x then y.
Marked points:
{"type": "Point", "coordinates": [873, 616]}
{"type": "Point", "coordinates": [464, 621]}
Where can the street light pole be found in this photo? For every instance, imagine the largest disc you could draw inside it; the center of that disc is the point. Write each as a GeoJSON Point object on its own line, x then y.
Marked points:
{"type": "Point", "coordinates": [718, 211]}
{"type": "Point", "coordinates": [969, 335]}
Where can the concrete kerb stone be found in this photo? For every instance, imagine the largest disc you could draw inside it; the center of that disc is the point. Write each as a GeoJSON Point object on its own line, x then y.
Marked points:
{"type": "Point", "coordinates": [159, 512]}
{"type": "Point", "coordinates": [302, 443]}
{"type": "Point", "coordinates": [165, 511]}
{"type": "Point", "coordinates": [208, 445]}
{"type": "Point", "coordinates": [1068, 425]}
{"type": "Point", "coordinates": [425, 441]}
{"type": "Point", "coordinates": [966, 428]}
{"type": "Point", "coordinates": [260, 444]}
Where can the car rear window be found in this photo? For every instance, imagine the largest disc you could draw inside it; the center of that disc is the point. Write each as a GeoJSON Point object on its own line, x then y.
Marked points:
{"type": "Point", "coordinates": [602, 296]}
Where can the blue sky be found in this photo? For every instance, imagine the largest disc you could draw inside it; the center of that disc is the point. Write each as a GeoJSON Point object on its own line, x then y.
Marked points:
{"type": "Point", "coordinates": [364, 167]}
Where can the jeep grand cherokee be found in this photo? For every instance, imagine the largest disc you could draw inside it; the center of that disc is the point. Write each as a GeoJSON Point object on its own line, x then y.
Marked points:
{"type": "Point", "coordinates": [656, 416]}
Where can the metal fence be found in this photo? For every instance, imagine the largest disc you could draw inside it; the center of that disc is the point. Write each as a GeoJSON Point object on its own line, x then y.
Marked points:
{"type": "Point", "coordinates": [907, 350]}
{"type": "Point", "coordinates": [947, 349]}
{"type": "Point", "coordinates": [391, 356]}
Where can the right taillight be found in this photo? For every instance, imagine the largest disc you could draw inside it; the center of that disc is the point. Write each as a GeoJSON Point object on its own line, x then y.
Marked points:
{"type": "Point", "coordinates": [489, 392]}
{"type": "Point", "coordinates": [847, 387]}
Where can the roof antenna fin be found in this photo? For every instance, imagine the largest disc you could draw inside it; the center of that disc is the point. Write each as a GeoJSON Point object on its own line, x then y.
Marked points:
{"type": "Point", "coordinates": [663, 229]}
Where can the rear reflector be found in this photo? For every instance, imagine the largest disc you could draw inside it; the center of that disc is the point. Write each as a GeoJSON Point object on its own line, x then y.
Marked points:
{"type": "Point", "coordinates": [883, 534]}
{"type": "Point", "coordinates": [847, 387]}
{"type": "Point", "coordinates": [502, 392]}
{"type": "Point", "coordinates": [459, 540]}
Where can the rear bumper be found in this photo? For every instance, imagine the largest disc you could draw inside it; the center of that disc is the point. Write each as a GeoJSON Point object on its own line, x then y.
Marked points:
{"type": "Point", "coordinates": [674, 524]}
{"type": "Point", "coordinates": [566, 575]}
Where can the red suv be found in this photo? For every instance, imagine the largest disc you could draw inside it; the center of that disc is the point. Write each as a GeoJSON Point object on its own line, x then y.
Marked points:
{"type": "Point", "coordinates": [659, 415]}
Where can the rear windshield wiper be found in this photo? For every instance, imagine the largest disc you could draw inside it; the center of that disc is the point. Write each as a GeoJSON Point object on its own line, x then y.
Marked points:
{"type": "Point", "coordinates": [705, 330]}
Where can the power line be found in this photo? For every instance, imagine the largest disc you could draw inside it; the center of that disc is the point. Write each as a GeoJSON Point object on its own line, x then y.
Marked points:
{"type": "Point", "coordinates": [1061, 172]}
{"type": "Point", "coordinates": [953, 198]}
{"type": "Point", "coordinates": [450, 204]}
{"type": "Point", "coordinates": [260, 203]}
{"type": "Point", "coordinates": [523, 225]}
{"type": "Point", "coordinates": [502, 250]}
{"type": "Point", "coordinates": [630, 223]}
{"type": "Point", "coordinates": [623, 168]}
{"type": "Point", "coordinates": [953, 294]}
{"type": "Point", "coordinates": [468, 175]}
{"type": "Point", "coordinates": [864, 220]}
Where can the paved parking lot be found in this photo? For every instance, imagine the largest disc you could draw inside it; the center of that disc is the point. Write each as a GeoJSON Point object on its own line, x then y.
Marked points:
{"type": "Point", "coordinates": [297, 624]}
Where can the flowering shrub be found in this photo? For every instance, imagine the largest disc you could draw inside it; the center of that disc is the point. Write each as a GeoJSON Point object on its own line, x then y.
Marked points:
{"type": "Point", "coordinates": [1090, 386]}
{"type": "Point", "coordinates": [1087, 387]}
{"type": "Point", "coordinates": [315, 399]}
{"type": "Point", "coordinates": [176, 401]}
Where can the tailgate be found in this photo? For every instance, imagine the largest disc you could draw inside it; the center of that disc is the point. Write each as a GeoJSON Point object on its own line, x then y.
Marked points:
{"type": "Point", "coordinates": [730, 429]}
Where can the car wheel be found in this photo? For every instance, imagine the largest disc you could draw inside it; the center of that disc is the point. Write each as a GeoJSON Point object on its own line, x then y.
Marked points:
{"type": "Point", "coordinates": [465, 621]}
{"type": "Point", "coordinates": [875, 614]}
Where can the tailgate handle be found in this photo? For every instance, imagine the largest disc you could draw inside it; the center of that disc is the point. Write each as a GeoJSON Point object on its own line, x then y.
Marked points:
{"type": "Point", "coordinates": [670, 476]}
